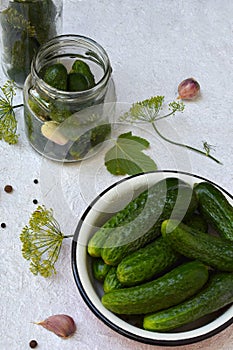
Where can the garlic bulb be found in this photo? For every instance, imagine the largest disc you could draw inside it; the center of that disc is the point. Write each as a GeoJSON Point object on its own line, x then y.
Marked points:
{"type": "Point", "coordinates": [62, 325]}
{"type": "Point", "coordinates": [50, 130]}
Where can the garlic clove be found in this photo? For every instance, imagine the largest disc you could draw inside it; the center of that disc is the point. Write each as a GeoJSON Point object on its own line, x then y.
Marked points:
{"type": "Point", "coordinates": [188, 89]}
{"type": "Point", "coordinates": [50, 130]}
{"type": "Point", "coordinates": [62, 325]}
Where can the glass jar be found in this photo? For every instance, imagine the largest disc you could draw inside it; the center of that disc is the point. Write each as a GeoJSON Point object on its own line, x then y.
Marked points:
{"type": "Point", "coordinates": [67, 125]}
{"type": "Point", "coordinates": [25, 26]}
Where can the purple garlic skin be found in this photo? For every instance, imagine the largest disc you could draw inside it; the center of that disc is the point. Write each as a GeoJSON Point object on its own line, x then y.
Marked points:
{"type": "Point", "coordinates": [188, 89]}
{"type": "Point", "coordinates": [62, 325]}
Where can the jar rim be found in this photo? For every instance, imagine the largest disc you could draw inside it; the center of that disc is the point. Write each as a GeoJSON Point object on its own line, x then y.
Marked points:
{"type": "Point", "coordinates": [72, 94]}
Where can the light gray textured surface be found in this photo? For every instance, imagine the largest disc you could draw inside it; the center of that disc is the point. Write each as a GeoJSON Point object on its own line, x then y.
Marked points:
{"type": "Point", "coordinates": [153, 46]}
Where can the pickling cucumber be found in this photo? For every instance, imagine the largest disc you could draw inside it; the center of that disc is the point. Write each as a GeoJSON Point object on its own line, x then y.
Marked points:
{"type": "Point", "coordinates": [217, 293]}
{"type": "Point", "coordinates": [193, 244]}
{"type": "Point", "coordinates": [146, 262]}
{"type": "Point", "coordinates": [56, 76]}
{"type": "Point", "coordinates": [168, 197]}
{"type": "Point", "coordinates": [171, 289]}
{"type": "Point", "coordinates": [216, 209]}
{"type": "Point", "coordinates": [77, 82]}
{"type": "Point", "coordinates": [124, 216]}
{"type": "Point", "coordinates": [82, 67]}
{"type": "Point", "coordinates": [100, 269]}
{"type": "Point", "coordinates": [111, 281]}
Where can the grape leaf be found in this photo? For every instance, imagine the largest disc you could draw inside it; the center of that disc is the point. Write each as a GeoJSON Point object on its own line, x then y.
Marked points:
{"type": "Point", "coordinates": [126, 156]}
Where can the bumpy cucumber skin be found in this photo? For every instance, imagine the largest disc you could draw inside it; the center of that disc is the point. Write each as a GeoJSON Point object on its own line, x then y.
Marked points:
{"type": "Point", "coordinates": [193, 244]}
{"type": "Point", "coordinates": [215, 208]}
{"type": "Point", "coordinates": [216, 294]}
{"type": "Point", "coordinates": [162, 199]}
{"type": "Point", "coordinates": [80, 66]}
{"type": "Point", "coordinates": [100, 269]}
{"type": "Point", "coordinates": [56, 76]}
{"type": "Point", "coordinates": [77, 82]}
{"type": "Point", "coordinates": [124, 216]}
{"type": "Point", "coordinates": [111, 281]}
{"type": "Point", "coordinates": [163, 292]}
{"type": "Point", "coordinates": [146, 262]}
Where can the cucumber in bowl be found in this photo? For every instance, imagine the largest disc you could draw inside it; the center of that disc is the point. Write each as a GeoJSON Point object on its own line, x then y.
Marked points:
{"type": "Point", "coordinates": [100, 211]}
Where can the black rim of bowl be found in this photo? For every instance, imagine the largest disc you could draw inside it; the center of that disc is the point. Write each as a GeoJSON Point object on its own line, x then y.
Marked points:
{"type": "Point", "coordinates": [93, 308]}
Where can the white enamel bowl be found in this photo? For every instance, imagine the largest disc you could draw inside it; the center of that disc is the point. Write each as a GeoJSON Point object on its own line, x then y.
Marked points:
{"type": "Point", "coordinates": [111, 200]}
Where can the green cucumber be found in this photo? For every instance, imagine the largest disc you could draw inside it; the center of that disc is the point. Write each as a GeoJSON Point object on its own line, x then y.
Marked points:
{"type": "Point", "coordinates": [168, 197]}
{"type": "Point", "coordinates": [193, 244]}
{"type": "Point", "coordinates": [146, 262]}
{"type": "Point", "coordinates": [215, 295]}
{"type": "Point", "coordinates": [77, 82]}
{"type": "Point", "coordinates": [100, 133]}
{"type": "Point", "coordinates": [82, 67]}
{"type": "Point", "coordinates": [100, 269]}
{"type": "Point", "coordinates": [124, 216]}
{"type": "Point", "coordinates": [215, 208]}
{"type": "Point", "coordinates": [59, 112]}
{"type": "Point", "coordinates": [111, 281]}
{"type": "Point", "coordinates": [56, 76]}
{"type": "Point", "coordinates": [171, 289]}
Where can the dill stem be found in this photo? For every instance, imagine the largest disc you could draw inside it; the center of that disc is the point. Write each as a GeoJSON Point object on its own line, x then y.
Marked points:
{"type": "Point", "coordinates": [43, 240]}
{"type": "Point", "coordinates": [167, 115]}
{"type": "Point", "coordinates": [44, 245]}
{"type": "Point", "coordinates": [53, 258]}
{"type": "Point", "coordinates": [184, 145]}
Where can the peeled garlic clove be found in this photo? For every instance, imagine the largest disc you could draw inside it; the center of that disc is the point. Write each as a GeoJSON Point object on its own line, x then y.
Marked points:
{"type": "Point", "coordinates": [188, 89]}
{"type": "Point", "coordinates": [62, 325]}
{"type": "Point", "coordinates": [50, 130]}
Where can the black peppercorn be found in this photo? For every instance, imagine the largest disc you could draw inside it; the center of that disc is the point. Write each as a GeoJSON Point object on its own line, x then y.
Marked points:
{"type": "Point", "coordinates": [3, 225]}
{"type": "Point", "coordinates": [35, 201]}
{"type": "Point", "coordinates": [36, 181]}
{"type": "Point", "coordinates": [33, 344]}
{"type": "Point", "coordinates": [8, 188]}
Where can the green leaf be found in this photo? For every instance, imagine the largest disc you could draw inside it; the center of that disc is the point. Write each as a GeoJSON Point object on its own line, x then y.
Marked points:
{"type": "Point", "coordinates": [126, 156]}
